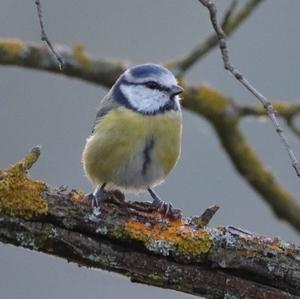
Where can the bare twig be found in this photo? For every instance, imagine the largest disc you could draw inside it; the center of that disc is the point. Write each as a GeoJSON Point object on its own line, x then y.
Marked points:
{"type": "Point", "coordinates": [31, 158]}
{"type": "Point", "coordinates": [238, 75]}
{"type": "Point", "coordinates": [205, 218]}
{"type": "Point", "coordinates": [230, 24]}
{"type": "Point", "coordinates": [44, 36]}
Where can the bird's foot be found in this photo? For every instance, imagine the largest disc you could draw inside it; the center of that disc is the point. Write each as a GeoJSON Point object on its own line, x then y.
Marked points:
{"type": "Point", "coordinates": [167, 208]}
{"type": "Point", "coordinates": [96, 197]}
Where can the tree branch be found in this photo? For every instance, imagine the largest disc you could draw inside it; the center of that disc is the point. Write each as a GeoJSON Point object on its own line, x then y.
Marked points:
{"type": "Point", "coordinates": [77, 63]}
{"type": "Point", "coordinates": [238, 75]}
{"type": "Point", "coordinates": [135, 240]}
{"type": "Point", "coordinates": [230, 24]}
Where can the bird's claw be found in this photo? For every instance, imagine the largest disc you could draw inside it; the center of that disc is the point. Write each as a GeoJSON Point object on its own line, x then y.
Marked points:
{"type": "Point", "coordinates": [96, 197]}
{"type": "Point", "coordinates": [167, 208]}
{"type": "Point", "coordinates": [95, 206]}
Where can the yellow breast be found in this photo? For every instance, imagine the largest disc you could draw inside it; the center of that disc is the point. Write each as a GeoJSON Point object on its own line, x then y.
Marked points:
{"type": "Point", "coordinates": [118, 145]}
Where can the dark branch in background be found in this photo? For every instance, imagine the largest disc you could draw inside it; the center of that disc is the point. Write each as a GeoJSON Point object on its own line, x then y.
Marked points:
{"type": "Point", "coordinates": [230, 23]}
{"type": "Point", "coordinates": [229, 13]}
{"type": "Point", "coordinates": [237, 74]}
{"type": "Point", "coordinates": [44, 36]}
{"type": "Point", "coordinates": [290, 122]}
{"type": "Point", "coordinates": [135, 240]}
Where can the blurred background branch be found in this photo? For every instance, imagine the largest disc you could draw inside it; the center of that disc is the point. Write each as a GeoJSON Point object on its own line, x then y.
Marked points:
{"type": "Point", "coordinates": [213, 14]}
{"type": "Point", "coordinates": [220, 112]}
{"type": "Point", "coordinates": [231, 22]}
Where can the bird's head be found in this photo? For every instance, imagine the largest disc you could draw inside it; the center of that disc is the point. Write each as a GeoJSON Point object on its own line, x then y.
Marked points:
{"type": "Point", "coordinates": [148, 89]}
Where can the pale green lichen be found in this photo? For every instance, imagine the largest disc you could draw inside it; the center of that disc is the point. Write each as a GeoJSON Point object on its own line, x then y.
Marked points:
{"type": "Point", "coordinates": [35, 242]}
{"type": "Point", "coordinates": [25, 240]}
{"type": "Point", "coordinates": [153, 279]}
{"type": "Point", "coordinates": [20, 195]}
{"type": "Point", "coordinates": [119, 233]}
{"type": "Point", "coordinates": [102, 230]}
{"type": "Point", "coordinates": [161, 246]}
{"type": "Point", "coordinates": [213, 102]}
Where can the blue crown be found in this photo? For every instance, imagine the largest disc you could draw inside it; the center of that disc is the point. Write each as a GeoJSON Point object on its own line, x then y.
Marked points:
{"type": "Point", "coordinates": [148, 70]}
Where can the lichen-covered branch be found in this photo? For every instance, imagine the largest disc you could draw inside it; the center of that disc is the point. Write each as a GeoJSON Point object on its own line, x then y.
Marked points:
{"type": "Point", "coordinates": [230, 24]}
{"type": "Point", "coordinates": [136, 240]}
{"type": "Point", "coordinates": [214, 106]}
{"type": "Point", "coordinates": [77, 62]}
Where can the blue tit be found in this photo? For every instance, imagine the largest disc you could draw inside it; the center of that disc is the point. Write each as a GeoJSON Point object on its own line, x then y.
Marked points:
{"type": "Point", "coordinates": [136, 138]}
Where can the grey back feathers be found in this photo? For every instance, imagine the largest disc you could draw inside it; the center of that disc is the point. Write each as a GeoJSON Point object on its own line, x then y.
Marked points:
{"type": "Point", "coordinates": [106, 105]}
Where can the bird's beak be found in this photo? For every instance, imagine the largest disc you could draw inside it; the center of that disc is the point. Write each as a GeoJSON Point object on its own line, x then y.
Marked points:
{"type": "Point", "coordinates": [176, 89]}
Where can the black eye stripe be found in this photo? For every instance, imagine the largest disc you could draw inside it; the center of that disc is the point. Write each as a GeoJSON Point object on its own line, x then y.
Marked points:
{"type": "Point", "coordinates": [152, 85]}
{"type": "Point", "coordinates": [149, 84]}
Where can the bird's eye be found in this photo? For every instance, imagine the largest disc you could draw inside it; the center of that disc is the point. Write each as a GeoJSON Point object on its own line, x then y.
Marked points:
{"type": "Point", "coordinates": [152, 85]}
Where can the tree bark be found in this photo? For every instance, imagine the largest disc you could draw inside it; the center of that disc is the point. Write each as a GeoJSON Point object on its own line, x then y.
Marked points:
{"type": "Point", "coordinates": [136, 240]}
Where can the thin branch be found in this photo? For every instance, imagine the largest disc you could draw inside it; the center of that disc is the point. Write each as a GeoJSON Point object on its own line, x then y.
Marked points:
{"type": "Point", "coordinates": [204, 219]}
{"type": "Point", "coordinates": [238, 75]}
{"type": "Point", "coordinates": [133, 239]}
{"type": "Point", "coordinates": [181, 66]}
{"type": "Point", "coordinates": [44, 36]}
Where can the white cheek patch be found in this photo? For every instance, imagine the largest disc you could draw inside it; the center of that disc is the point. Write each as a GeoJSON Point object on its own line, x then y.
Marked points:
{"type": "Point", "coordinates": [144, 99]}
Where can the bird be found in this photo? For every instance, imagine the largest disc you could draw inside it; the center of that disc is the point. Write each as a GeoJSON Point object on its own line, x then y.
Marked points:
{"type": "Point", "coordinates": [136, 137]}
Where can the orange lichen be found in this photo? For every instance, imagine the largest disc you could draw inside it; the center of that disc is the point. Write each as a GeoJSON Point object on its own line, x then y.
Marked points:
{"type": "Point", "coordinates": [176, 234]}
{"type": "Point", "coordinates": [77, 195]}
{"type": "Point", "coordinates": [20, 195]}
